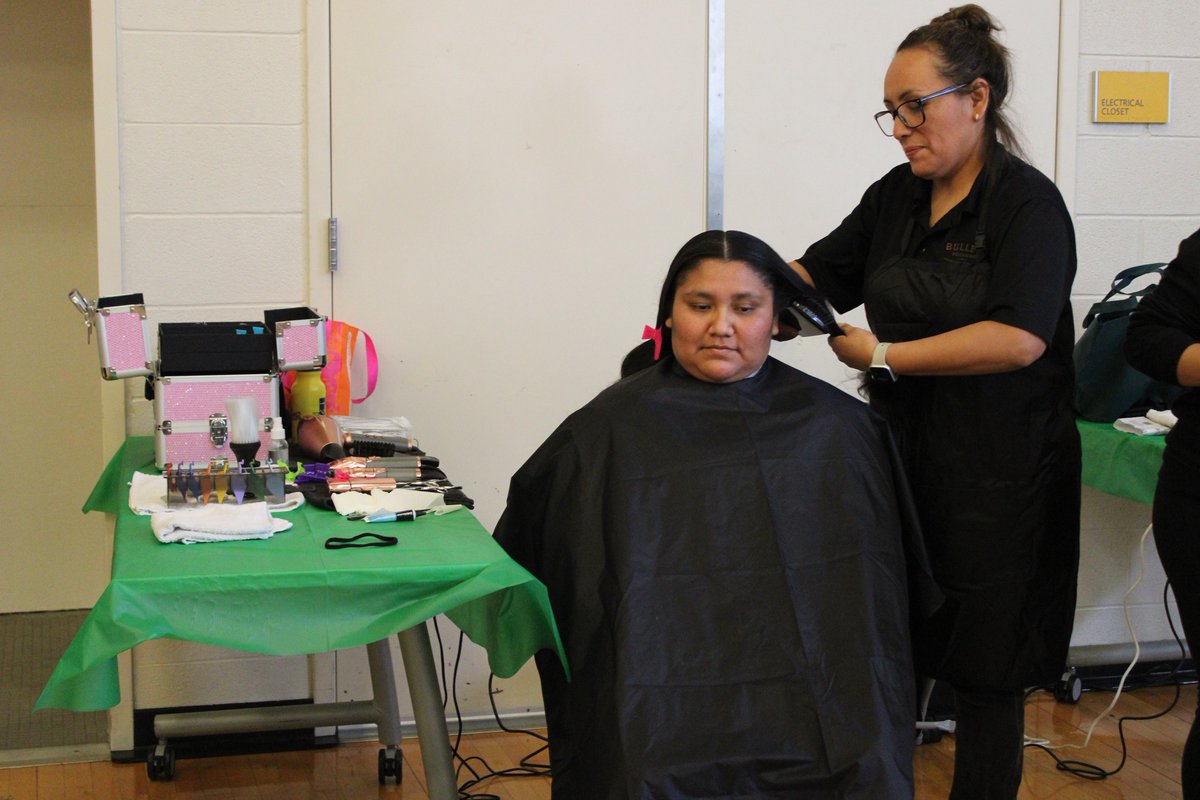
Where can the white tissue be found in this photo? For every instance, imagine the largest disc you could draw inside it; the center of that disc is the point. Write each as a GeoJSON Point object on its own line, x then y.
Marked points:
{"type": "Point", "coordinates": [379, 500]}
{"type": "Point", "coordinates": [1140, 426]}
{"type": "Point", "coordinates": [1162, 417]}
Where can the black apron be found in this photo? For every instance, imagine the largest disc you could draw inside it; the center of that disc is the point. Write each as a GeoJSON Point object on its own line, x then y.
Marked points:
{"type": "Point", "coordinates": [994, 466]}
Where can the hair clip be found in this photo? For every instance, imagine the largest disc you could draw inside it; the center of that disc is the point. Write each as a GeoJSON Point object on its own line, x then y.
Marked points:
{"type": "Point", "coordinates": [312, 473]}
{"type": "Point", "coordinates": [655, 335]}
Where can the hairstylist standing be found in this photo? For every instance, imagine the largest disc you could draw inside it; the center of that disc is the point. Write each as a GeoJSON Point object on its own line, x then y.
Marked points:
{"type": "Point", "coordinates": [964, 259]}
{"type": "Point", "coordinates": [1164, 342]}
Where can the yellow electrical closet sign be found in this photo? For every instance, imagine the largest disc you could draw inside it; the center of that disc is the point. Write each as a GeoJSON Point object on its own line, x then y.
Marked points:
{"type": "Point", "coordinates": [1132, 97]}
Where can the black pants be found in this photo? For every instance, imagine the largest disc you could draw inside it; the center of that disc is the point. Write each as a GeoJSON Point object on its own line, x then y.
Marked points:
{"type": "Point", "coordinates": [989, 741]}
{"type": "Point", "coordinates": [1177, 537]}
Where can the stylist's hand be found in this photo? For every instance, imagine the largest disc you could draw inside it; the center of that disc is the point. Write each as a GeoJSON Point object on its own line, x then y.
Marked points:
{"type": "Point", "coordinates": [855, 348]}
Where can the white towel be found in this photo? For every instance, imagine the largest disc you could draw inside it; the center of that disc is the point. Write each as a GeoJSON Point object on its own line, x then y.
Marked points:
{"type": "Point", "coordinates": [216, 523]}
{"type": "Point", "coordinates": [147, 493]}
{"type": "Point", "coordinates": [224, 522]}
{"type": "Point", "coordinates": [1140, 426]}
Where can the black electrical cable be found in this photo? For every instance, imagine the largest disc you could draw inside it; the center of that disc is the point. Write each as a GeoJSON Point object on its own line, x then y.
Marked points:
{"type": "Point", "coordinates": [485, 772]}
{"type": "Point", "coordinates": [1084, 769]}
{"type": "Point", "coordinates": [441, 662]}
{"type": "Point", "coordinates": [526, 761]}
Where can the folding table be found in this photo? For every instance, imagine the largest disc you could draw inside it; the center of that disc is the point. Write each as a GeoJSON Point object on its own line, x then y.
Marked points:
{"type": "Point", "coordinates": [288, 595]}
{"type": "Point", "coordinates": [1119, 463]}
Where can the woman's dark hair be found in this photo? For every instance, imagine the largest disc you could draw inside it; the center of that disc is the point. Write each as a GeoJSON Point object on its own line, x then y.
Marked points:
{"type": "Point", "coordinates": [723, 246]}
{"type": "Point", "coordinates": [962, 41]}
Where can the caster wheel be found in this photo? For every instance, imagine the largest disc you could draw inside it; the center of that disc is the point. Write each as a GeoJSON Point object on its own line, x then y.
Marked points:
{"type": "Point", "coordinates": [1069, 688]}
{"type": "Point", "coordinates": [160, 766]}
{"type": "Point", "coordinates": [389, 764]}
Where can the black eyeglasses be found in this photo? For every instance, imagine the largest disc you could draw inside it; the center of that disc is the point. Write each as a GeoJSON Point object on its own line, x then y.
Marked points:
{"type": "Point", "coordinates": [911, 113]}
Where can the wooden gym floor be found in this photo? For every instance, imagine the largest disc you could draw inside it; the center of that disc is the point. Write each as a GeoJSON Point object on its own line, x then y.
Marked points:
{"type": "Point", "coordinates": [349, 771]}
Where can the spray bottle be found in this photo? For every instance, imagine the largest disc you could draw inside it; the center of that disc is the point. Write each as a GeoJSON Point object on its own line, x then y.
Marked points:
{"type": "Point", "coordinates": [279, 446]}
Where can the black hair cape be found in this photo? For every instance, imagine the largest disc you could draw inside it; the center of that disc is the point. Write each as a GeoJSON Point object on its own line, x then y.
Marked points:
{"type": "Point", "coordinates": [730, 567]}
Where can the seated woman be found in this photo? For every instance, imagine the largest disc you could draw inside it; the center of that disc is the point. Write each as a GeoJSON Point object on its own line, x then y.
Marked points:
{"type": "Point", "coordinates": [727, 543]}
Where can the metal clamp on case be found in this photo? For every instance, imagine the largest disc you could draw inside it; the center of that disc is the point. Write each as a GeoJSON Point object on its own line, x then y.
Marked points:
{"type": "Point", "coordinates": [218, 429]}
{"type": "Point", "coordinates": [122, 333]}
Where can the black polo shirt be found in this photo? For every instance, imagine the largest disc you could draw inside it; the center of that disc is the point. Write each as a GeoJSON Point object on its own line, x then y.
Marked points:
{"type": "Point", "coordinates": [1166, 323]}
{"type": "Point", "coordinates": [1030, 243]}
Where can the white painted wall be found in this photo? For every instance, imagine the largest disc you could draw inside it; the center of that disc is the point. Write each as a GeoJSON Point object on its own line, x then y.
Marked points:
{"type": "Point", "coordinates": [210, 205]}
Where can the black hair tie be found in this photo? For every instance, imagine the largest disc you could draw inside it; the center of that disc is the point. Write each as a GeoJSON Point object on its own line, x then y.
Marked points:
{"type": "Point", "coordinates": [371, 540]}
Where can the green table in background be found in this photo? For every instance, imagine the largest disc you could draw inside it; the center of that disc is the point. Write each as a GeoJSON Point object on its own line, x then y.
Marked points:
{"type": "Point", "coordinates": [288, 595]}
{"type": "Point", "coordinates": [1119, 463]}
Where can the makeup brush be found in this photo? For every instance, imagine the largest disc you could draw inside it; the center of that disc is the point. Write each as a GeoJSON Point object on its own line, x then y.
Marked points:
{"type": "Point", "coordinates": [243, 428]}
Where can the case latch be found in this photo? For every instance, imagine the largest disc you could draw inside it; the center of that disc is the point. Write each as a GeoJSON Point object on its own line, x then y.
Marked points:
{"type": "Point", "coordinates": [218, 429]}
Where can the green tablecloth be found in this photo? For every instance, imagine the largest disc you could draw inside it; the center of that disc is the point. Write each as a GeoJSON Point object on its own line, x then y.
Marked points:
{"type": "Point", "coordinates": [288, 595]}
{"type": "Point", "coordinates": [1120, 463]}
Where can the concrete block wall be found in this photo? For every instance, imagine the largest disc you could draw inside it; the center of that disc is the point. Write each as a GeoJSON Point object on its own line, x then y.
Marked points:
{"type": "Point", "coordinates": [1135, 198]}
{"type": "Point", "coordinates": [213, 156]}
{"type": "Point", "coordinates": [213, 160]}
{"type": "Point", "coordinates": [1135, 193]}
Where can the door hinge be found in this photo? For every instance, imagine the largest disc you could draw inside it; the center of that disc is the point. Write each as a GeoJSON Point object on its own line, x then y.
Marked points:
{"type": "Point", "coordinates": [333, 245]}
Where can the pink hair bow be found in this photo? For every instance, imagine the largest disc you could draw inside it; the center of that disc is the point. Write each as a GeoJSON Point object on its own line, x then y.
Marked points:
{"type": "Point", "coordinates": [656, 335]}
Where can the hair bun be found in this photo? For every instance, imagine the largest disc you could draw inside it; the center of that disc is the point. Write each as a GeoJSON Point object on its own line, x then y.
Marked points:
{"type": "Point", "coordinates": [972, 17]}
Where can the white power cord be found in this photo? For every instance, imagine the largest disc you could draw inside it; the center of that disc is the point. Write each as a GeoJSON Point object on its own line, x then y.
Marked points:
{"type": "Point", "coordinates": [1137, 651]}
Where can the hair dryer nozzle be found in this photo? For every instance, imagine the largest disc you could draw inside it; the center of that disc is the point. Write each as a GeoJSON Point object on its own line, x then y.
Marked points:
{"type": "Point", "coordinates": [319, 437]}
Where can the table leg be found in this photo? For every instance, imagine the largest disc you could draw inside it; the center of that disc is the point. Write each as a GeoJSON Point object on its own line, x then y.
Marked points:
{"type": "Point", "coordinates": [383, 687]}
{"type": "Point", "coordinates": [428, 711]}
{"type": "Point", "coordinates": [387, 709]}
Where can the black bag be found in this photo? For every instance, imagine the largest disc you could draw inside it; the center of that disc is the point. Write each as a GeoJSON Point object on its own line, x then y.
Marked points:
{"type": "Point", "coordinates": [1106, 387]}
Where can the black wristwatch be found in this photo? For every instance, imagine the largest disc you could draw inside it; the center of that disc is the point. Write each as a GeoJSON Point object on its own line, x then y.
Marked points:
{"type": "Point", "coordinates": [879, 370]}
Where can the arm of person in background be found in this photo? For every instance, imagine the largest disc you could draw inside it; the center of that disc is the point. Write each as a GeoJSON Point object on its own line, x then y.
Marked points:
{"type": "Point", "coordinates": [1188, 371]}
{"type": "Point", "coordinates": [1164, 332]}
{"type": "Point", "coordinates": [802, 272]}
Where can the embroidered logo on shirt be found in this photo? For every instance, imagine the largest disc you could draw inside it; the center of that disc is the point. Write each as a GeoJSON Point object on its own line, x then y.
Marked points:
{"type": "Point", "coordinates": [961, 251]}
